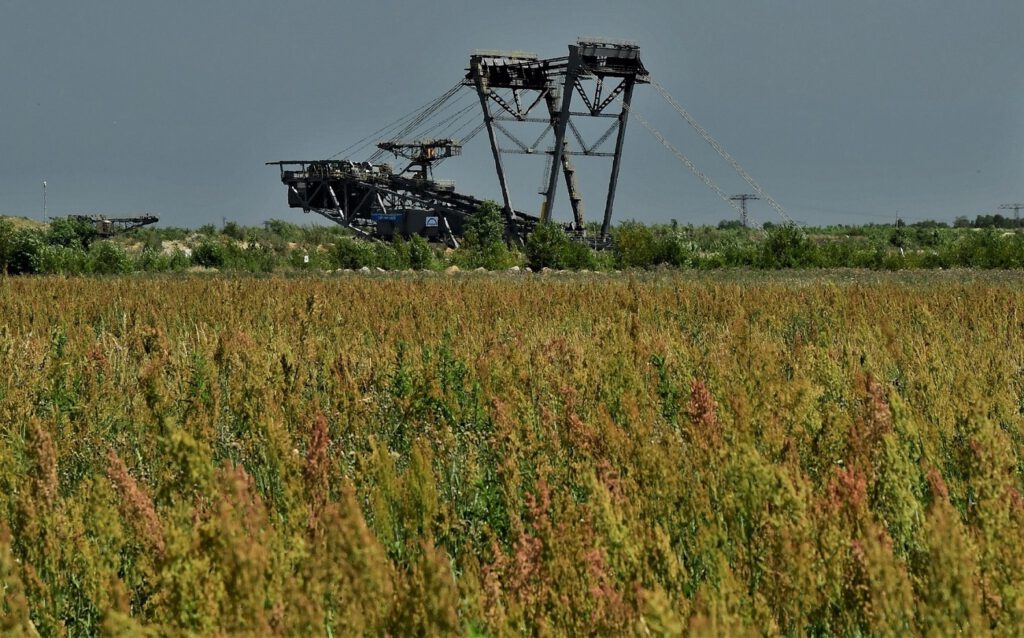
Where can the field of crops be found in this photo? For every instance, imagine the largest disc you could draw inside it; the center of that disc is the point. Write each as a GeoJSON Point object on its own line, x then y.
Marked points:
{"type": "Point", "coordinates": [719, 454]}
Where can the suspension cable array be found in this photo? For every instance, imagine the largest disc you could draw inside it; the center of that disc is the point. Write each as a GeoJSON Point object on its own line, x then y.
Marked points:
{"type": "Point", "coordinates": [706, 136]}
{"type": "Point", "coordinates": [362, 143]}
{"type": "Point", "coordinates": [683, 158]}
{"type": "Point", "coordinates": [416, 122]}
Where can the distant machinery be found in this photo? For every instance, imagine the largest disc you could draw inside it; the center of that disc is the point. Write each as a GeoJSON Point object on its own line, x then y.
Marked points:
{"type": "Point", "coordinates": [1016, 208]}
{"type": "Point", "coordinates": [374, 201]}
{"type": "Point", "coordinates": [596, 61]}
{"type": "Point", "coordinates": [109, 226]}
{"type": "Point", "coordinates": [377, 201]}
{"type": "Point", "coordinates": [554, 82]}
{"type": "Point", "coordinates": [511, 88]}
{"type": "Point", "coordinates": [743, 199]}
{"type": "Point", "coordinates": [422, 154]}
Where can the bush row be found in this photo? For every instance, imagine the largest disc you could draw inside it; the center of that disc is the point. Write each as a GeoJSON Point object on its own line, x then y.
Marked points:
{"type": "Point", "coordinates": [68, 247]}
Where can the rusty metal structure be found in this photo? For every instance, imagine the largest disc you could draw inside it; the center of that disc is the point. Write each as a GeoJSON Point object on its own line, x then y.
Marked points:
{"type": "Point", "coordinates": [511, 91]}
{"type": "Point", "coordinates": [378, 201]}
{"type": "Point", "coordinates": [554, 82]}
{"type": "Point", "coordinates": [375, 201]}
{"type": "Point", "coordinates": [110, 226]}
{"type": "Point", "coordinates": [591, 66]}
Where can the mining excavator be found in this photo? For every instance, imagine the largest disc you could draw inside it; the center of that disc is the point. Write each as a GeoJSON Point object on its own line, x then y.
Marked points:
{"type": "Point", "coordinates": [110, 226]}
{"type": "Point", "coordinates": [513, 91]}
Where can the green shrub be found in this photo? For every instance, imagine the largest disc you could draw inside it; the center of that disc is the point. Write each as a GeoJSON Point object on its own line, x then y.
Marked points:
{"type": "Point", "coordinates": [677, 250]}
{"type": "Point", "coordinates": [157, 261]}
{"type": "Point", "coordinates": [56, 259]}
{"type": "Point", "coordinates": [353, 254]}
{"type": "Point", "coordinates": [712, 261]}
{"type": "Point", "coordinates": [107, 258]}
{"type": "Point", "coordinates": [485, 227]}
{"type": "Point", "coordinates": [635, 246]}
{"type": "Point", "coordinates": [738, 254]}
{"type": "Point", "coordinates": [283, 230]}
{"type": "Point", "coordinates": [234, 231]}
{"type": "Point", "coordinates": [484, 240]}
{"type": "Point", "coordinates": [544, 247]}
{"type": "Point", "coordinates": [786, 246]}
{"type": "Point", "coordinates": [391, 256]}
{"type": "Point", "coordinates": [150, 260]}
{"type": "Point", "coordinates": [577, 255]}
{"type": "Point", "coordinates": [549, 247]}
{"type": "Point", "coordinates": [255, 257]}
{"type": "Point", "coordinates": [261, 258]}
{"type": "Point", "coordinates": [209, 254]}
{"type": "Point", "coordinates": [420, 255]}
{"type": "Point", "coordinates": [6, 244]}
{"type": "Point", "coordinates": [23, 251]}
{"type": "Point", "coordinates": [71, 233]}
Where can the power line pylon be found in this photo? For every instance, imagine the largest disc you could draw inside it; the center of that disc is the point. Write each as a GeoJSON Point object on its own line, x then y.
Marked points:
{"type": "Point", "coordinates": [1016, 208]}
{"type": "Point", "coordinates": [743, 199]}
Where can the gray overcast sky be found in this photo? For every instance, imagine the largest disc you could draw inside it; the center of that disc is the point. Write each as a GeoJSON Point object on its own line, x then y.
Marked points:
{"type": "Point", "coordinates": [844, 111]}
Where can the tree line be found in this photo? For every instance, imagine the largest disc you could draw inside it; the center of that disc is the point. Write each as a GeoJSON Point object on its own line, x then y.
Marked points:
{"type": "Point", "coordinates": [72, 247]}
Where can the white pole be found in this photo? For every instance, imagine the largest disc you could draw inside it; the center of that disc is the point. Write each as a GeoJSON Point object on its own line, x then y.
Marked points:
{"type": "Point", "coordinates": [44, 201]}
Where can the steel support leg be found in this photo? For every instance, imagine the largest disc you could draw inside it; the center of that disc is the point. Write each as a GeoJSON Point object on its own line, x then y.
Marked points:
{"type": "Point", "coordinates": [627, 98]}
{"type": "Point", "coordinates": [571, 73]}
{"type": "Point", "coordinates": [575, 199]}
{"type": "Point", "coordinates": [481, 92]}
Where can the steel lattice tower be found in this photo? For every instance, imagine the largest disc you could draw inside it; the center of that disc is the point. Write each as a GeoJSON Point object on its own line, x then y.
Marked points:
{"type": "Point", "coordinates": [743, 199]}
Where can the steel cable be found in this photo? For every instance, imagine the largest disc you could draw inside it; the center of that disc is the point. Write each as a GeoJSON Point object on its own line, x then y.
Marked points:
{"type": "Point", "coordinates": [363, 142]}
{"type": "Point", "coordinates": [722, 152]}
{"type": "Point", "coordinates": [681, 157]}
{"type": "Point", "coordinates": [422, 117]}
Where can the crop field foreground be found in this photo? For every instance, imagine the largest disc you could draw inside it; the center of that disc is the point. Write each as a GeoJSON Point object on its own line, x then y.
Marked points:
{"type": "Point", "coordinates": [661, 454]}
